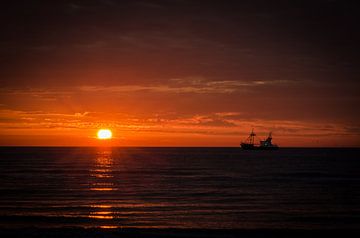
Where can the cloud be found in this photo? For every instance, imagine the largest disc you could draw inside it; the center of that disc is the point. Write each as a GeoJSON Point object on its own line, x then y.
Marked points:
{"type": "Point", "coordinates": [204, 121]}
{"type": "Point", "coordinates": [45, 94]}
{"type": "Point", "coordinates": [16, 119]}
{"type": "Point", "coordinates": [227, 126]}
{"type": "Point", "coordinates": [197, 85]}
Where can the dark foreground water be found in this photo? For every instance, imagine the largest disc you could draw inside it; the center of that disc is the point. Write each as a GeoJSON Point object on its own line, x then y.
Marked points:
{"type": "Point", "coordinates": [179, 188]}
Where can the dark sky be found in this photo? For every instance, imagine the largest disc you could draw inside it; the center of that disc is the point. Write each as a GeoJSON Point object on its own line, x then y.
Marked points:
{"type": "Point", "coordinates": [224, 66]}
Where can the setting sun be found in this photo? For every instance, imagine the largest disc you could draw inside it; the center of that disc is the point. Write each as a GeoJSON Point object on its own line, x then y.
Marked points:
{"type": "Point", "coordinates": [104, 134]}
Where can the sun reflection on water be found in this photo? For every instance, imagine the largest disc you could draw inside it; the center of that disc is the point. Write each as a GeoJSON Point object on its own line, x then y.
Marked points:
{"type": "Point", "coordinates": [100, 206]}
{"type": "Point", "coordinates": [101, 175]}
{"type": "Point", "coordinates": [98, 216]}
{"type": "Point", "coordinates": [101, 189]}
{"type": "Point", "coordinates": [109, 227]}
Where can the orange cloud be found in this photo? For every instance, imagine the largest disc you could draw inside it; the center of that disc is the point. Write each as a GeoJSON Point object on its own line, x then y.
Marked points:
{"type": "Point", "coordinates": [163, 130]}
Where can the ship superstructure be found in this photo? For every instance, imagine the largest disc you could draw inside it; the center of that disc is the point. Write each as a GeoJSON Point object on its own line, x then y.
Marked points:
{"type": "Point", "coordinates": [249, 143]}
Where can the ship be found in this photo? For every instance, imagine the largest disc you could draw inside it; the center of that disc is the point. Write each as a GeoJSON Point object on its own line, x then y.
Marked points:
{"type": "Point", "coordinates": [249, 143]}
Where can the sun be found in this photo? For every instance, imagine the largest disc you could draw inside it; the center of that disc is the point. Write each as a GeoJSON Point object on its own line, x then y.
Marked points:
{"type": "Point", "coordinates": [104, 134]}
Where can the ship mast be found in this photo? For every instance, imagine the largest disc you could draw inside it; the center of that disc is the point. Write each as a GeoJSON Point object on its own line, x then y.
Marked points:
{"type": "Point", "coordinates": [252, 137]}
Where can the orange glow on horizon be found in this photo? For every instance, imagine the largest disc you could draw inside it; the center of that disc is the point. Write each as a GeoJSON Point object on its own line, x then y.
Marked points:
{"type": "Point", "coordinates": [143, 130]}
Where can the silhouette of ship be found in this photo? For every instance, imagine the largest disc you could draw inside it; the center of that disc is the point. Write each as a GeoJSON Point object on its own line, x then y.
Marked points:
{"type": "Point", "coordinates": [249, 143]}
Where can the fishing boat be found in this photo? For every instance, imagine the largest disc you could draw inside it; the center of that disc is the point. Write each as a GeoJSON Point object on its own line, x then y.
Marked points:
{"type": "Point", "coordinates": [249, 143]}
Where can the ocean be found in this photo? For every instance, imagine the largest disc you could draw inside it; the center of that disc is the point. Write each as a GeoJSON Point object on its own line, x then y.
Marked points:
{"type": "Point", "coordinates": [224, 188]}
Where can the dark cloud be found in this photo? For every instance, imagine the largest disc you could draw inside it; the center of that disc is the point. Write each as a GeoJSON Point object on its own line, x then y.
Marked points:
{"type": "Point", "coordinates": [237, 39]}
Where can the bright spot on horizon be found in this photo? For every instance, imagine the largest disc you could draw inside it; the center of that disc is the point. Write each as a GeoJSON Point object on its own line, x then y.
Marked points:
{"type": "Point", "coordinates": [104, 134]}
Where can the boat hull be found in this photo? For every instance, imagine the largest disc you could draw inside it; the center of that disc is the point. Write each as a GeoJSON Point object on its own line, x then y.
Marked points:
{"type": "Point", "coordinates": [245, 146]}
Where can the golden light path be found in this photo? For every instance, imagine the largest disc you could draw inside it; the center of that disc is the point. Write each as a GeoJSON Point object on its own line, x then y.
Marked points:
{"type": "Point", "coordinates": [102, 182]}
{"type": "Point", "coordinates": [104, 134]}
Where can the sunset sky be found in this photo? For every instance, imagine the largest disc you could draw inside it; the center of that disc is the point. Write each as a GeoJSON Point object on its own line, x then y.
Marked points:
{"type": "Point", "coordinates": [179, 73]}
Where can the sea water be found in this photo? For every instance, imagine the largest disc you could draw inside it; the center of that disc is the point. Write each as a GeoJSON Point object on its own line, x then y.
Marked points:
{"type": "Point", "coordinates": [179, 187]}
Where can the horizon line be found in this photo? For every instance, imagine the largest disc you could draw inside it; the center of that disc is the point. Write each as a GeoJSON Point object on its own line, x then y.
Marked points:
{"type": "Point", "coordinates": [132, 146]}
